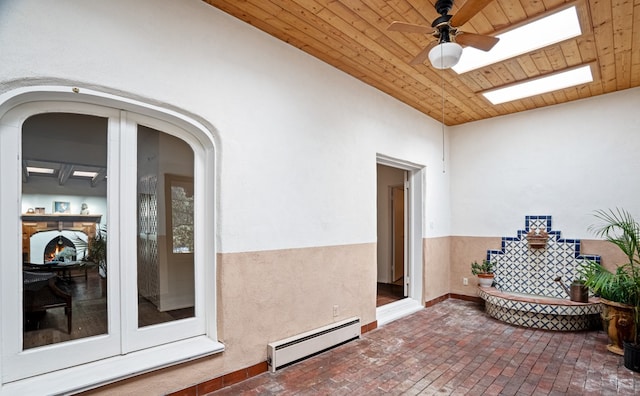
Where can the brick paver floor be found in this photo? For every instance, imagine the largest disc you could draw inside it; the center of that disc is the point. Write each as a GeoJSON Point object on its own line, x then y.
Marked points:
{"type": "Point", "coordinates": [454, 348]}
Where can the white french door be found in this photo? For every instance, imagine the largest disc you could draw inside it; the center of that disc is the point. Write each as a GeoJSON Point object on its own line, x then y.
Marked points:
{"type": "Point", "coordinates": [19, 361]}
{"type": "Point", "coordinates": [136, 147]}
{"type": "Point", "coordinates": [177, 275]}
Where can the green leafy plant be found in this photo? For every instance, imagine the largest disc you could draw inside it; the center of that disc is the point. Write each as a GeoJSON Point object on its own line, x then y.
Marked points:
{"type": "Point", "coordinates": [578, 281]}
{"type": "Point", "coordinates": [95, 249]}
{"type": "Point", "coordinates": [485, 268]}
{"type": "Point", "coordinates": [623, 285]}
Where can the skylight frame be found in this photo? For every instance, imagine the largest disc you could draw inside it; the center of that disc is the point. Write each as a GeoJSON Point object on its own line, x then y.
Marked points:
{"type": "Point", "coordinates": [565, 78]}
{"type": "Point", "coordinates": [40, 170]}
{"type": "Point", "coordinates": [512, 42]}
{"type": "Point", "coordinates": [88, 174]}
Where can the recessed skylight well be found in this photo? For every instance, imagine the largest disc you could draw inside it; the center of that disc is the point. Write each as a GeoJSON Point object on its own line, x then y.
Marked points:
{"type": "Point", "coordinates": [553, 82]}
{"type": "Point", "coordinates": [34, 169]}
{"type": "Point", "coordinates": [538, 34]}
{"type": "Point", "coordinates": [84, 174]}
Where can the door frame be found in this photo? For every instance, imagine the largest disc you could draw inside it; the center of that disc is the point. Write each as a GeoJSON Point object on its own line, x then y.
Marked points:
{"type": "Point", "coordinates": [414, 196]}
{"type": "Point", "coordinates": [395, 228]}
{"type": "Point", "coordinates": [82, 376]}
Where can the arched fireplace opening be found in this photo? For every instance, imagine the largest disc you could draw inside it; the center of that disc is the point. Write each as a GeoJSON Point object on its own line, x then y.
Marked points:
{"type": "Point", "coordinates": [60, 248]}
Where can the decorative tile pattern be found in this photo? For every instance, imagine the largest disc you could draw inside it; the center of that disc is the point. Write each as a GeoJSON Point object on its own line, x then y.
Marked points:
{"type": "Point", "coordinates": [544, 308]}
{"type": "Point", "coordinates": [521, 269]}
{"type": "Point", "coordinates": [543, 321]}
{"type": "Point", "coordinates": [547, 315]}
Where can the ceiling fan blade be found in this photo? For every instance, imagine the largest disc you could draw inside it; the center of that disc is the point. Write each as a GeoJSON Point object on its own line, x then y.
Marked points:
{"type": "Point", "coordinates": [423, 55]}
{"type": "Point", "coordinates": [409, 28]}
{"type": "Point", "coordinates": [478, 41]}
{"type": "Point", "coordinates": [467, 11]}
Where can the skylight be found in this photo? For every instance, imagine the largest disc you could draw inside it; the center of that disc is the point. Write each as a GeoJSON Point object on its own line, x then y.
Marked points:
{"type": "Point", "coordinates": [34, 169]}
{"type": "Point", "coordinates": [554, 82]}
{"type": "Point", "coordinates": [540, 33]}
{"type": "Point", "coordinates": [85, 174]}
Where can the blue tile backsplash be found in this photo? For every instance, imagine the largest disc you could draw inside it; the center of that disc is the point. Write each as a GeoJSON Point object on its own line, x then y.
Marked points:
{"type": "Point", "coordinates": [521, 269]}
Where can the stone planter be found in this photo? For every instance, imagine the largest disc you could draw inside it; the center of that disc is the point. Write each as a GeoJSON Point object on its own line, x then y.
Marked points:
{"type": "Point", "coordinates": [617, 320]}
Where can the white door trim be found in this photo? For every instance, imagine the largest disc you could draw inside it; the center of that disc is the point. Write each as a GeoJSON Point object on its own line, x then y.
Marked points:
{"type": "Point", "coordinates": [414, 208]}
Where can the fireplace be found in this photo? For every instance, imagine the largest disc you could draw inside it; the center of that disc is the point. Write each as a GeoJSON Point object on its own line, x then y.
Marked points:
{"type": "Point", "coordinates": [45, 231]}
{"type": "Point", "coordinates": [60, 248]}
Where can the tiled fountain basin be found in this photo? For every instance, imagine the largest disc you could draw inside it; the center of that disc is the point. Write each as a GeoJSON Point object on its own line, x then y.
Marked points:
{"type": "Point", "coordinates": [539, 312]}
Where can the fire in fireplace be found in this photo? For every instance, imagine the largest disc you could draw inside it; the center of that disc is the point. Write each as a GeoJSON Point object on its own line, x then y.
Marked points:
{"type": "Point", "coordinates": [60, 248]}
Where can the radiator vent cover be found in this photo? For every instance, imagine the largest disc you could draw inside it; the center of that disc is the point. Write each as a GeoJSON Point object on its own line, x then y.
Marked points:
{"type": "Point", "coordinates": [293, 349]}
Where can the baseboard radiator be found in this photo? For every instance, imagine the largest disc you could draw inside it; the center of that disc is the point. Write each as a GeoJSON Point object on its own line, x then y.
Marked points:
{"type": "Point", "coordinates": [291, 350]}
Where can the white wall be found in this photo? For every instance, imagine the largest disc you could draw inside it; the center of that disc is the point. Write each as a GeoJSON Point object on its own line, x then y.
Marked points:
{"type": "Point", "coordinates": [566, 161]}
{"type": "Point", "coordinates": [297, 137]}
{"type": "Point", "coordinates": [96, 205]}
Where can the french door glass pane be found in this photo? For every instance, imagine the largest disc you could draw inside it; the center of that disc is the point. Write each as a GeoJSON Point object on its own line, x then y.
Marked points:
{"type": "Point", "coordinates": [64, 208]}
{"type": "Point", "coordinates": [166, 289]}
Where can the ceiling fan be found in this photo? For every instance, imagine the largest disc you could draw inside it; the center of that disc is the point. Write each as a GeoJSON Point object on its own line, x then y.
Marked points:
{"type": "Point", "coordinates": [446, 52]}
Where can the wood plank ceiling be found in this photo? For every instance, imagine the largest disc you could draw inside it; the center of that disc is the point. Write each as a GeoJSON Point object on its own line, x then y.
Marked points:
{"type": "Point", "coordinates": [352, 35]}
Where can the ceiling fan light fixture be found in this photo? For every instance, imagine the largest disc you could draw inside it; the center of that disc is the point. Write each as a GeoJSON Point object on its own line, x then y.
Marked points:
{"type": "Point", "coordinates": [445, 55]}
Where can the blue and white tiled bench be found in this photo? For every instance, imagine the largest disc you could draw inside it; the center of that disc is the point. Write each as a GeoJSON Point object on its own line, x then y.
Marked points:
{"type": "Point", "coordinates": [541, 312]}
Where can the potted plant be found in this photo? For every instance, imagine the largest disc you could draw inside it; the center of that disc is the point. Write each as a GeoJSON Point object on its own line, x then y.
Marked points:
{"type": "Point", "coordinates": [484, 272]}
{"type": "Point", "coordinates": [96, 250]}
{"type": "Point", "coordinates": [620, 290]}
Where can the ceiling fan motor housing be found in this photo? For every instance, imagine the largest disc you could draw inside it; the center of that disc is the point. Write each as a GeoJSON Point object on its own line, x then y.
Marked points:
{"type": "Point", "coordinates": [444, 6]}
{"type": "Point", "coordinates": [445, 31]}
{"type": "Point", "coordinates": [442, 22]}
{"type": "Point", "coordinates": [448, 50]}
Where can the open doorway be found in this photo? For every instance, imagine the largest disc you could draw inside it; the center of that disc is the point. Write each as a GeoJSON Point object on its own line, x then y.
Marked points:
{"type": "Point", "coordinates": [392, 234]}
{"type": "Point", "coordinates": [400, 196]}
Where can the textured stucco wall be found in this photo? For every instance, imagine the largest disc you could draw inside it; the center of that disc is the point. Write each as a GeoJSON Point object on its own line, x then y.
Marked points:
{"type": "Point", "coordinates": [565, 161]}
{"type": "Point", "coordinates": [296, 153]}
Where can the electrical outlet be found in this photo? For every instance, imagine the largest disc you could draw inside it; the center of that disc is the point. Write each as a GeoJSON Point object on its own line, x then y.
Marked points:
{"type": "Point", "coordinates": [336, 312]}
{"type": "Point", "coordinates": [465, 281]}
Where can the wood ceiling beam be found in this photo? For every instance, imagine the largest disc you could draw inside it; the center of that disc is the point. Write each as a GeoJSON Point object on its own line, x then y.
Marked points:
{"type": "Point", "coordinates": [65, 171]}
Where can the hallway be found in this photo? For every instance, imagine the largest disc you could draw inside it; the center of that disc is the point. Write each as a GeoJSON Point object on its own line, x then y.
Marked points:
{"type": "Point", "coordinates": [387, 293]}
{"type": "Point", "coordinates": [453, 348]}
